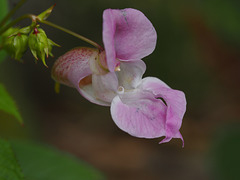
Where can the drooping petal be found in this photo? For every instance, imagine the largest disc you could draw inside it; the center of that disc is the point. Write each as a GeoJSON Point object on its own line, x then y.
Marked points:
{"type": "Point", "coordinates": [176, 105]}
{"type": "Point", "coordinates": [105, 86]}
{"type": "Point", "coordinates": [73, 69]}
{"type": "Point", "coordinates": [130, 74]}
{"type": "Point", "coordinates": [127, 34]}
{"type": "Point", "coordinates": [142, 112]}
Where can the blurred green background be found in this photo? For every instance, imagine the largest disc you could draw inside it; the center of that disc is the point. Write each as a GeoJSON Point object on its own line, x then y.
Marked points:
{"type": "Point", "coordinates": [197, 52]}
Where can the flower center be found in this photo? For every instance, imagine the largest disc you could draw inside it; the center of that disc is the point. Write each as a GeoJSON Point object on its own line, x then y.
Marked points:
{"type": "Point", "coordinates": [120, 90]}
{"type": "Point", "coordinates": [117, 68]}
{"type": "Point", "coordinates": [102, 62]}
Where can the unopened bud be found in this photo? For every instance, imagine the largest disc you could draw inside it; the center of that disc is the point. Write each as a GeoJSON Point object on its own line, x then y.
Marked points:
{"type": "Point", "coordinates": [40, 45]}
{"type": "Point", "coordinates": [15, 43]}
{"type": "Point", "coordinates": [11, 31]}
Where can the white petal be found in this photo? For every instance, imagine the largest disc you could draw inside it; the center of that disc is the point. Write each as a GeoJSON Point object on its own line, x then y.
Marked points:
{"type": "Point", "coordinates": [105, 86]}
{"type": "Point", "coordinates": [130, 74]}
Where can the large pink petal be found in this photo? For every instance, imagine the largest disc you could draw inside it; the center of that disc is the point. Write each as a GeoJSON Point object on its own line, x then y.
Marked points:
{"type": "Point", "coordinates": [127, 34]}
{"type": "Point", "coordinates": [139, 114]}
{"type": "Point", "coordinates": [73, 69]}
{"type": "Point", "coordinates": [142, 112]}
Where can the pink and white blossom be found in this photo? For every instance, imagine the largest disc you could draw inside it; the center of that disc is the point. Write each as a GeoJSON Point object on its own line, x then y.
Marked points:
{"type": "Point", "coordinates": [142, 107]}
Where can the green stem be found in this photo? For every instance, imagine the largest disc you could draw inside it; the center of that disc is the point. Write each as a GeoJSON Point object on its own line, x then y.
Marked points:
{"type": "Point", "coordinates": [10, 13]}
{"type": "Point", "coordinates": [72, 33]}
{"type": "Point", "coordinates": [26, 16]}
{"type": "Point", "coordinates": [35, 19]}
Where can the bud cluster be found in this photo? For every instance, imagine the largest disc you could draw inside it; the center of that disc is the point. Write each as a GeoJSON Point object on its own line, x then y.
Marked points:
{"type": "Point", "coordinates": [15, 41]}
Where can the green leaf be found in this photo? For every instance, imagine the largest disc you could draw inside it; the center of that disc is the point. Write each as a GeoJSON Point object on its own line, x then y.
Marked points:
{"type": "Point", "coordinates": [40, 162]}
{"type": "Point", "coordinates": [8, 105]}
{"type": "Point", "coordinates": [3, 12]}
{"type": "Point", "coordinates": [9, 167]}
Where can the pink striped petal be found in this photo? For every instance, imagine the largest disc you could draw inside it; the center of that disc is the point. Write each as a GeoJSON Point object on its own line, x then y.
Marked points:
{"type": "Point", "coordinates": [73, 66]}
{"type": "Point", "coordinates": [73, 69]}
{"type": "Point", "coordinates": [127, 34]}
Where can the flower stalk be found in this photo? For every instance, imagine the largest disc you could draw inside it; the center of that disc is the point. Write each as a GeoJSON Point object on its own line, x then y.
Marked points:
{"type": "Point", "coordinates": [26, 16]}
{"type": "Point", "coordinates": [35, 20]}
{"type": "Point", "coordinates": [72, 33]}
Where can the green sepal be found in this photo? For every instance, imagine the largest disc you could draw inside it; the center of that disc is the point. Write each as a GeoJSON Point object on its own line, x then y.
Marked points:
{"type": "Point", "coordinates": [10, 32]}
{"type": "Point", "coordinates": [34, 54]}
{"type": "Point", "coordinates": [25, 30]}
{"type": "Point", "coordinates": [50, 44]}
{"type": "Point", "coordinates": [44, 15]}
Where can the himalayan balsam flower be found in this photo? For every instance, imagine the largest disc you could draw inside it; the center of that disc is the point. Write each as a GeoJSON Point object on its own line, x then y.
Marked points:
{"type": "Point", "coordinates": [146, 108]}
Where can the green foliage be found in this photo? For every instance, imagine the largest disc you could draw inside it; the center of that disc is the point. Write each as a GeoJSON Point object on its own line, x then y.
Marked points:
{"type": "Point", "coordinates": [3, 12]}
{"type": "Point", "coordinates": [44, 163]}
{"type": "Point", "coordinates": [225, 153]}
{"type": "Point", "coordinates": [8, 105]}
{"type": "Point", "coordinates": [223, 16]}
{"type": "Point", "coordinates": [3, 8]}
{"type": "Point", "coordinates": [9, 167]}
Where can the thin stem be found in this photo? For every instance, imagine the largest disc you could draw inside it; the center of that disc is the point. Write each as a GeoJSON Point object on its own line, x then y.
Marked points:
{"type": "Point", "coordinates": [26, 16]}
{"type": "Point", "coordinates": [73, 33]}
{"type": "Point", "coordinates": [35, 19]}
{"type": "Point", "coordinates": [10, 13]}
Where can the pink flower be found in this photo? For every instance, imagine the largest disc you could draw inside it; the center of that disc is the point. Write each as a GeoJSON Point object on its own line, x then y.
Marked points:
{"type": "Point", "coordinates": [146, 108]}
{"type": "Point", "coordinates": [127, 35]}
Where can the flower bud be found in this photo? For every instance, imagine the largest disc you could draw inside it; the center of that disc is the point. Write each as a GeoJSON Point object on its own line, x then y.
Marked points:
{"type": "Point", "coordinates": [44, 15]}
{"type": "Point", "coordinates": [40, 45]}
{"type": "Point", "coordinates": [15, 43]}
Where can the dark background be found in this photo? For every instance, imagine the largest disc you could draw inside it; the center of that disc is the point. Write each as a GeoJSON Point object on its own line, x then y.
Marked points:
{"type": "Point", "coordinates": [197, 52]}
